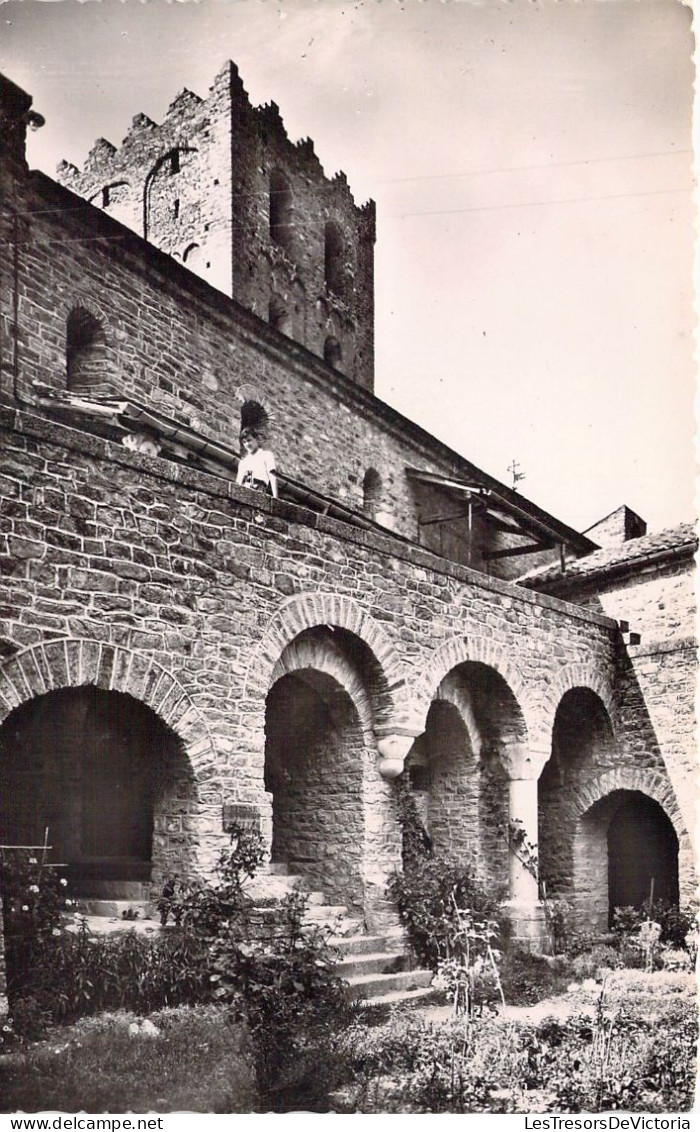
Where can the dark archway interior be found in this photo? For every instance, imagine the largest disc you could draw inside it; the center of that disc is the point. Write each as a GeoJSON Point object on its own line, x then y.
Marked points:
{"type": "Point", "coordinates": [583, 746]}
{"type": "Point", "coordinates": [642, 847]}
{"type": "Point", "coordinates": [313, 769]}
{"type": "Point", "coordinates": [85, 765]}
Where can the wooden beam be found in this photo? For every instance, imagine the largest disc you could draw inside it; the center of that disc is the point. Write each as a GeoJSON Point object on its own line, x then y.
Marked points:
{"type": "Point", "coordinates": [513, 551]}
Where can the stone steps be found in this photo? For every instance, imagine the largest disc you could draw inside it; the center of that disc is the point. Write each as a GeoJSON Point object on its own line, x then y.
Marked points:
{"type": "Point", "coordinates": [372, 963]}
{"type": "Point", "coordinates": [375, 967]}
{"type": "Point", "coordinates": [370, 987]}
{"type": "Point", "coordinates": [357, 945]}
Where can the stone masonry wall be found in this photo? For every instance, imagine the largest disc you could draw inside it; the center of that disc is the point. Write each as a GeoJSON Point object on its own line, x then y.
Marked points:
{"type": "Point", "coordinates": [170, 578]}
{"type": "Point", "coordinates": [314, 738]}
{"type": "Point", "coordinates": [656, 678]}
{"type": "Point", "coordinates": [197, 185]}
{"type": "Point", "coordinates": [172, 342]}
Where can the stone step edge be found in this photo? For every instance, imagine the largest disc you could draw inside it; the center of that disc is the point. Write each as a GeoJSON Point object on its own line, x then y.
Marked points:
{"type": "Point", "coordinates": [371, 962]}
{"type": "Point", "coordinates": [421, 974]}
{"type": "Point", "coordinates": [383, 941]}
{"type": "Point", "coordinates": [399, 998]}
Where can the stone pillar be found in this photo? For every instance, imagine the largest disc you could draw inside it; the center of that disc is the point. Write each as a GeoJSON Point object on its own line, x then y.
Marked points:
{"type": "Point", "coordinates": [524, 908]}
{"type": "Point", "coordinates": [382, 848]}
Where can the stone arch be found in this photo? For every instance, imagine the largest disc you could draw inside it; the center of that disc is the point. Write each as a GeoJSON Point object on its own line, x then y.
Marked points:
{"type": "Point", "coordinates": [83, 300]}
{"type": "Point", "coordinates": [309, 610]}
{"type": "Point", "coordinates": [278, 314]}
{"type": "Point", "coordinates": [458, 650]}
{"type": "Point", "coordinates": [452, 692]}
{"type": "Point", "coordinates": [86, 352]}
{"type": "Point", "coordinates": [172, 158]}
{"type": "Point", "coordinates": [585, 676]}
{"type": "Point", "coordinates": [593, 808]}
{"type": "Point", "coordinates": [65, 663]}
{"type": "Point", "coordinates": [304, 654]}
{"type": "Point", "coordinates": [650, 782]}
{"type": "Point", "coordinates": [187, 820]}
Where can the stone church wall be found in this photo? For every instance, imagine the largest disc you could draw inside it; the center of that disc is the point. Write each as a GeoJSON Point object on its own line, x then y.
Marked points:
{"type": "Point", "coordinates": [177, 570]}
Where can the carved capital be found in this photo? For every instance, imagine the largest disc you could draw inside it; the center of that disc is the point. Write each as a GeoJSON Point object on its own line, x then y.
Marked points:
{"type": "Point", "coordinates": [392, 753]}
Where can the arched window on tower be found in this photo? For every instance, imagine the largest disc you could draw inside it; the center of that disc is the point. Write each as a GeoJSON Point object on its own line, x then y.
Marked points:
{"type": "Point", "coordinates": [333, 265]}
{"type": "Point", "coordinates": [281, 211]}
{"type": "Point", "coordinates": [332, 352]}
{"type": "Point", "coordinates": [86, 352]}
{"type": "Point", "coordinates": [193, 256]}
{"type": "Point", "coordinates": [278, 316]}
{"type": "Point", "coordinates": [371, 492]}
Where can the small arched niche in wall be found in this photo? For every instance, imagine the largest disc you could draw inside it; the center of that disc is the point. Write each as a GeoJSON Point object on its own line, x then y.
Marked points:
{"type": "Point", "coordinates": [332, 352]}
{"type": "Point", "coordinates": [334, 272]}
{"type": "Point", "coordinates": [281, 211]}
{"type": "Point", "coordinates": [371, 492]}
{"type": "Point", "coordinates": [86, 352]}
{"type": "Point", "coordinates": [278, 315]}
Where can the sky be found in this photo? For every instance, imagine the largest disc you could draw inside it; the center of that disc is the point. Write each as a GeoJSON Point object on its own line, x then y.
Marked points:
{"type": "Point", "coordinates": [532, 168]}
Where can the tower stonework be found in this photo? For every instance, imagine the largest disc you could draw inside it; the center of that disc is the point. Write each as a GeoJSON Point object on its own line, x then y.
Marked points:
{"type": "Point", "coordinates": [219, 185]}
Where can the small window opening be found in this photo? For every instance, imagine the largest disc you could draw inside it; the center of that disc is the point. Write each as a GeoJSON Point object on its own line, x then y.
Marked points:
{"type": "Point", "coordinates": [333, 265]}
{"type": "Point", "coordinates": [278, 316]}
{"type": "Point", "coordinates": [176, 207]}
{"type": "Point", "coordinates": [371, 492]}
{"type": "Point", "coordinates": [175, 161]}
{"type": "Point", "coordinates": [281, 211]}
{"type": "Point", "coordinates": [85, 351]}
{"type": "Point", "coordinates": [332, 352]}
{"type": "Point", "coordinates": [192, 256]}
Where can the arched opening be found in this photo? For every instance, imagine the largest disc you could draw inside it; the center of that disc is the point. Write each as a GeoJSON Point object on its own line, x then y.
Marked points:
{"type": "Point", "coordinates": [278, 315]}
{"type": "Point", "coordinates": [334, 268]}
{"type": "Point", "coordinates": [106, 778]}
{"type": "Point", "coordinates": [162, 187]}
{"type": "Point", "coordinates": [642, 850]}
{"type": "Point", "coordinates": [583, 745]}
{"type": "Point", "coordinates": [86, 352]}
{"type": "Point", "coordinates": [193, 256]}
{"type": "Point", "coordinates": [474, 726]}
{"type": "Point", "coordinates": [314, 771]}
{"type": "Point", "coordinates": [371, 492]}
{"type": "Point", "coordinates": [281, 211]}
{"type": "Point", "coordinates": [332, 352]}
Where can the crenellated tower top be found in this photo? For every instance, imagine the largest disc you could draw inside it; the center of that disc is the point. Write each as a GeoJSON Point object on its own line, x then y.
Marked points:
{"type": "Point", "coordinates": [219, 185]}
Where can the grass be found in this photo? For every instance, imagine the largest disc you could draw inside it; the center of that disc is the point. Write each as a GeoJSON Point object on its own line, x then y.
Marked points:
{"type": "Point", "coordinates": [199, 1062]}
{"type": "Point", "coordinates": [523, 1061]}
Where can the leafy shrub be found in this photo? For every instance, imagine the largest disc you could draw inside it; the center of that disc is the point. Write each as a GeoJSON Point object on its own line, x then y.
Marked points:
{"type": "Point", "coordinates": [411, 1066]}
{"type": "Point", "coordinates": [582, 941]}
{"type": "Point", "coordinates": [558, 917]}
{"type": "Point", "coordinates": [293, 1000]}
{"type": "Point", "coordinates": [675, 959]}
{"type": "Point", "coordinates": [427, 894]}
{"type": "Point", "coordinates": [280, 976]}
{"type": "Point", "coordinates": [529, 978]}
{"type": "Point", "coordinates": [601, 957]}
{"type": "Point", "coordinates": [676, 922]}
{"type": "Point", "coordinates": [81, 974]}
{"type": "Point", "coordinates": [34, 898]}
